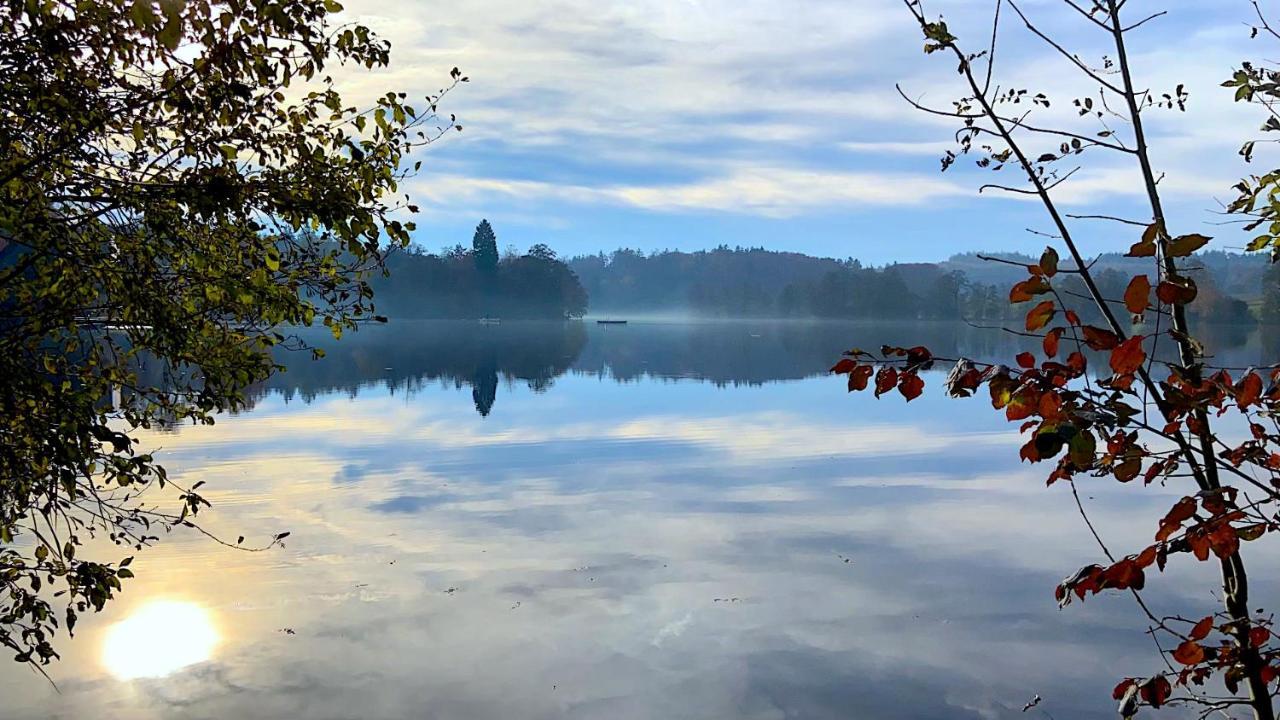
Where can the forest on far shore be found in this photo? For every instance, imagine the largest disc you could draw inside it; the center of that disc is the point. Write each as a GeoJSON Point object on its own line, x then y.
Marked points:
{"type": "Point", "coordinates": [478, 282]}
{"type": "Point", "coordinates": [754, 282]}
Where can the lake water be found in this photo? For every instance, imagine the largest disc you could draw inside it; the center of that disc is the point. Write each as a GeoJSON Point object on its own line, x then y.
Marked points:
{"type": "Point", "coordinates": [656, 520]}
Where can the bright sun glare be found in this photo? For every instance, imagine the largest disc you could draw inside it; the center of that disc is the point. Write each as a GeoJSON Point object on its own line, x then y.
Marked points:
{"type": "Point", "coordinates": [159, 638]}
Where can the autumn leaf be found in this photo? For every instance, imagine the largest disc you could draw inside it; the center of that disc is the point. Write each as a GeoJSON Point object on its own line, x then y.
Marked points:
{"type": "Point", "coordinates": [1249, 390]}
{"type": "Point", "coordinates": [1137, 295]}
{"type": "Point", "coordinates": [844, 366]}
{"type": "Point", "coordinates": [1051, 340]}
{"type": "Point", "coordinates": [1040, 316]}
{"type": "Point", "coordinates": [1028, 289]}
{"type": "Point", "coordinates": [1156, 691]}
{"type": "Point", "coordinates": [910, 385]}
{"type": "Point", "coordinates": [1189, 653]}
{"type": "Point", "coordinates": [1128, 356]}
{"type": "Point", "coordinates": [1142, 249]}
{"type": "Point", "coordinates": [1202, 628]}
{"type": "Point", "coordinates": [1049, 262]}
{"type": "Point", "coordinates": [1146, 247]}
{"type": "Point", "coordinates": [1184, 245]}
{"type": "Point", "coordinates": [885, 380]}
{"type": "Point", "coordinates": [1176, 293]}
{"type": "Point", "coordinates": [1026, 360]}
{"type": "Point", "coordinates": [858, 377]}
{"type": "Point", "coordinates": [1127, 470]}
{"type": "Point", "coordinates": [1099, 339]}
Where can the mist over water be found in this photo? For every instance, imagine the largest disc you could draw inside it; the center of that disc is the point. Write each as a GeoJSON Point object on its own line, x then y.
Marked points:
{"type": "Point", "coordinates": [656, 520]}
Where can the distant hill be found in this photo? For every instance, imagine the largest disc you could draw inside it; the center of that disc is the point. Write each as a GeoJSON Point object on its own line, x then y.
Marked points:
{"type": "Point", "coordinates": [754, 282]}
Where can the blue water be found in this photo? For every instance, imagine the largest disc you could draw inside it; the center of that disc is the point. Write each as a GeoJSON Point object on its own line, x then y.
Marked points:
{"type": "Point", "coordinates": [642, 521]}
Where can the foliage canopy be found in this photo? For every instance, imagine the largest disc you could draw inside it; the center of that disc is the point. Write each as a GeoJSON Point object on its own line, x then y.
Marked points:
{"type": "Point", "coordinates": [178, 180]}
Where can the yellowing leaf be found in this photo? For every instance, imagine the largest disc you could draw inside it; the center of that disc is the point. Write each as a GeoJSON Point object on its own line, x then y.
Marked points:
{"type": "Point", "coordinates": [1040, 316]}
{"type": "Point", "coordinates": [1184, 245]}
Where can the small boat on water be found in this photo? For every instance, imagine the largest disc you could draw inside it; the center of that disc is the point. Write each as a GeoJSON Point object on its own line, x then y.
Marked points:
{"type": "Point", "coordinates": [490, 321]}
{"type": "Point", "coordinates": [611, 322]}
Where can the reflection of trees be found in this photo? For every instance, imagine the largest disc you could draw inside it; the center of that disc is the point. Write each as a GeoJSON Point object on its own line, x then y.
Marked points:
{"type": "Point", "coordinates": [405, 355]}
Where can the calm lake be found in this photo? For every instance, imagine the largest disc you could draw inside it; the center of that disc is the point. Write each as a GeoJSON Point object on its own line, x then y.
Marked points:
{"type": "Point", "coordinates": [652, 520]}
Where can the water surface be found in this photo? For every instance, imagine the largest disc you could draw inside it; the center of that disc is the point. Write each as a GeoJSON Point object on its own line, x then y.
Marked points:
{"type": "Point", "coordinates": [642, 521]}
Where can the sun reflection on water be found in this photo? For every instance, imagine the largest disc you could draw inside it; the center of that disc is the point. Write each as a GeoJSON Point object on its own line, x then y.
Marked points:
{"type": "Point", "coordinates": [159, 638]}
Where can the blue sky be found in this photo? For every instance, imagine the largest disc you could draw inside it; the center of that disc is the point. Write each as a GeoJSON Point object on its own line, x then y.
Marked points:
{"type": "Point", "coordinates": [594, 124]}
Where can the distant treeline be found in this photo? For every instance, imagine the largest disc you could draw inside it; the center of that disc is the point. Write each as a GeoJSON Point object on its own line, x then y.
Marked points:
{"type": "Point", "coordinates": [477, 283]}
{"type": "Point", "coordinates": [754, 282]}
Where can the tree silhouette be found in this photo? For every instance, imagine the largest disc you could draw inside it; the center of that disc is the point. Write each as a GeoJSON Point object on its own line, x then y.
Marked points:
{"type": "Point", "coordinates": [484, 250]}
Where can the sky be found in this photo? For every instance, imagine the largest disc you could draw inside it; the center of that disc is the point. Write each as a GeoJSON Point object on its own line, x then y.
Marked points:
{"type": "Point", "coordinates": [685, 124]}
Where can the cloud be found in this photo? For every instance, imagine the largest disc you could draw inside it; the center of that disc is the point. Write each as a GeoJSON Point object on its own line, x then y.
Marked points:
{"type": "Point", "coordinates": [764, 191]}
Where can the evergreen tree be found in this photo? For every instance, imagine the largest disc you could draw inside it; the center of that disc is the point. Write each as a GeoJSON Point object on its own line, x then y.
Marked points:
{"type": "Point", "coordinates": [484, 250]}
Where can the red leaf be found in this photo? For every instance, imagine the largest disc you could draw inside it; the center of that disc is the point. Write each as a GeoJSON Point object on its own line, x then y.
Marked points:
{"type": "Point", "coordinates": [1189, 653]}
{"type": "Point", "coordinates": [1040, 316]}
{"type": "Point", "coordinates": [1138, 294]}
{"type": "Point", "coordinates": [1128, 356]}
{"type": "Point", "coordinates": [844, 366]}
{"type": "Point", "coordinates": [1156, 691]}
{"type": "Point", "coordinates": [910, 385]}
{"type": "Point", "coordinates": [1179, 293]}
{"type": "Point", "coordinates": [1146, 557]}
{"type": "Point", "coordinates": [1072, 317]}
{"type": "Point", "coordinates": [858, 378]}
{"type": "Point", "coordinates": [1258, 636]}
{"type": "Point", "coordinates": [1026, 360]}
{"type": "Point", "coordinates": [1183, 510]}
{"type": "Point", "coordinates": [1099, 339]}
{"type": "Point", "coordinates": [885, 380]}
{"type": "Point", "coordinates": [1202, 628]}
{"type": "Point", "coordinates": [1051, 341]}
{"type": "Point", "coordinates": [1249, 390]}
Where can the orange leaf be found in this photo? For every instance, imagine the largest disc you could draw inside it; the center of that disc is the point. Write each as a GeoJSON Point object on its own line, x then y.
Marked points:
{"type": "Point", "coordinates": [1027, 289]}
{"type": "Point", "coordinates": [1202, 628]}
{"type": "Point", "coordinates": [1189, 653]}
{"type": "Point", "coordinates": [1051, 340]}
{"type": "Point", "coordinates": [1137, 295]}
{"type": "Point", "coordinates": [1128, 356]}
{"type": "Point", "coordinates": [1040, 316]}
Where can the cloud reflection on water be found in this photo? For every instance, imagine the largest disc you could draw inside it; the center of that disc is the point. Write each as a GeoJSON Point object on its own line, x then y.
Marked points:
{"type": "Point", "coordinates": [631, 551]}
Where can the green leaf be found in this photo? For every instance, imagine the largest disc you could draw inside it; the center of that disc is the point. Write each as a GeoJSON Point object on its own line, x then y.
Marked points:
{"type": "Point", "coordinates": [142, 14]}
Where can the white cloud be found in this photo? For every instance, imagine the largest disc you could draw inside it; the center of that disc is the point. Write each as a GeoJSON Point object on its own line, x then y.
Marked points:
{"type": "Point", "coordinates": [750, 102]}
{"type": "Point", "coordinates": [764, 191]}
